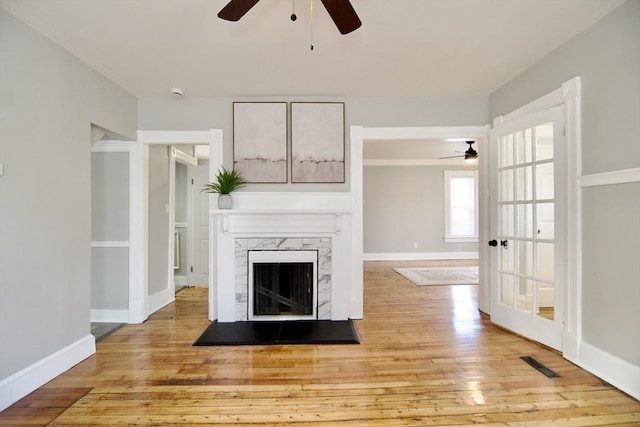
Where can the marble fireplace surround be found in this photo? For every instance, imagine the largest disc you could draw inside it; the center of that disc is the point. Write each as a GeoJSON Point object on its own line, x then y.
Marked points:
{"type": "Point", "coordinates": [323, 247]}
{"type": "Point", "coordinates": [285, 221]}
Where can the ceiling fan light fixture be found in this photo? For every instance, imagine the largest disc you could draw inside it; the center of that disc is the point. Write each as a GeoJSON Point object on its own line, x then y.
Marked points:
{"type": "Point", "coordinates": [470, 155]}
{"type": "Point", "coordinates": [340, 11]}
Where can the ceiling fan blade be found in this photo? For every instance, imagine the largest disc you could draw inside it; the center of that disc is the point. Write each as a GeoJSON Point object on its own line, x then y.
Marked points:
{"type": "Point", "coordinates": [450, 157]}
{"type": "Point", "coordinates": [343, 15]}
{"type": "Point", "coordinates": [236, 9]}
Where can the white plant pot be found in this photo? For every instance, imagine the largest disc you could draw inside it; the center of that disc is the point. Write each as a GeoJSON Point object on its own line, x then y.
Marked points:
{"type": "Point", "coordinates": [225, 201]}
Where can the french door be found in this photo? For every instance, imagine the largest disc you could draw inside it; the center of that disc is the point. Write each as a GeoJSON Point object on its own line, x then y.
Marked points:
{"type": "Point", "coordinates": [527, 223]}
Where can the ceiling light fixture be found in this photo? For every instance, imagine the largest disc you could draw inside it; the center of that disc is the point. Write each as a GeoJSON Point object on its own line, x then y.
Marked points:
{"type": "Point", "coordinates": [470, 155]}
{"type": "Point", "coordinates": [341, 12]}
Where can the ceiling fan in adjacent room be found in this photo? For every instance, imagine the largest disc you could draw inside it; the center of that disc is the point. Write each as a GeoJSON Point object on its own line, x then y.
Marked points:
{"type": "Point", "coordinates": [341, 11]}
{"type": "Point", "coordinates": [470, 155]}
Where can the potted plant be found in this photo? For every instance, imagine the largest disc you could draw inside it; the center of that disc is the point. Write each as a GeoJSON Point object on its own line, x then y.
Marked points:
{"type": "Point", "coordinates": [226, 181]}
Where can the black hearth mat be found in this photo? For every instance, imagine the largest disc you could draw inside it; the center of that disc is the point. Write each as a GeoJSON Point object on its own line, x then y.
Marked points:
{"type": "Point", "coordinates": [279, 332]}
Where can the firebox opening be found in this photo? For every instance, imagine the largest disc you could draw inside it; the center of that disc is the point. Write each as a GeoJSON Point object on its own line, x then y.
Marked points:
{"type": "Point", "coordinates": [282, 288]}
{"type": "Point", "coordinates": [282, 285]}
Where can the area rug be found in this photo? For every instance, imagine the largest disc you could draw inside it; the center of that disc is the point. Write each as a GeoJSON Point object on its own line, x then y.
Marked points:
{"type": "Point", "coordinates": [441, 275]}
{"type": "Point", "coordinates": [285, 332]}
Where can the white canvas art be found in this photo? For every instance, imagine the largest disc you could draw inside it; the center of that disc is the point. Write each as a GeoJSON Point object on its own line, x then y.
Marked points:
{"type": "Point", "coordinates": [317, 142]}
{"type": "Point", "coordinates": [260, 141]}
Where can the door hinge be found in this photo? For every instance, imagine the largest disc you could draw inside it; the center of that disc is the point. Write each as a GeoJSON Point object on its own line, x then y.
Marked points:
{"type": "Point", "coordinates": [192, 181]}
{"type": "Point", "coordinates": [192, 269]}
{"type": "Point", "coordinates": [564, 131]}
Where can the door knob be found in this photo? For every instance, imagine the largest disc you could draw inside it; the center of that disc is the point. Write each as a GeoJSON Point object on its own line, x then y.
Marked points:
{"type": "Point", "coordinates": [493, 243]}
{"type": "Point", "coordinates": [504, 243]}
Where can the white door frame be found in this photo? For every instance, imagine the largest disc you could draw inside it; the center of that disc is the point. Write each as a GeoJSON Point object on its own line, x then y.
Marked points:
{"type": "Point", "coordinates": [568, 95]}
{"type": "Point", "coordinates": [139, 232]}
{"type": "Point", "coordinates": [360, 135]}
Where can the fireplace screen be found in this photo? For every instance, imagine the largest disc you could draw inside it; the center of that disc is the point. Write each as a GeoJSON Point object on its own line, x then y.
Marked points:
{"type": "Point", "coordinates": [282, 289]}
{"type": "Point", "coordinates": [282, 284]}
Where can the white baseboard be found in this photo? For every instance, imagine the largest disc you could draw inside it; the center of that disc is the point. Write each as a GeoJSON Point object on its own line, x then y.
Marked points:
{"type": "Point", "coordinates": [161, 299]}
{"type": "Point", "coordinates": [413, 256]}
{"type": "Point", "coordinates": [110, 316]}
{"type": "Point", "coordinates": [610, 368]}
{"type": "Point", "coordinates": [18, 385]}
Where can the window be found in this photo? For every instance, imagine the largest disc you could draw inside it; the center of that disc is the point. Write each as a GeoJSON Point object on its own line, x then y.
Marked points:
{"type": "Point", "coordinates": [461, 206]}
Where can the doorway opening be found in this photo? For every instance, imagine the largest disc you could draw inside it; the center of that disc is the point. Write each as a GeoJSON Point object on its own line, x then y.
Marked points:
{"type": "Point", "coordinates": [112, 245]}
{"type": "Point", "coordinates": [164, 250]}
{"type": "Point", "coordinates": [182, 226]}
{"type": "Point", "coordinates": [421, 148]}
{"type": "Point", "coordinates": [190, 210]}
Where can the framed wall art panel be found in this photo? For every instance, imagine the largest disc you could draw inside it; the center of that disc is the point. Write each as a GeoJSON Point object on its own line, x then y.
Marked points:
{"type": "Point", "coordinates": [260, 141]}
{"type": "Point", "coordinates": [317, 142]}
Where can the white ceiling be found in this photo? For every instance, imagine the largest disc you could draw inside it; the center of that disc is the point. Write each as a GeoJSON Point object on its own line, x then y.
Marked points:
{"type": "Point", "coordinates": [410, 48]}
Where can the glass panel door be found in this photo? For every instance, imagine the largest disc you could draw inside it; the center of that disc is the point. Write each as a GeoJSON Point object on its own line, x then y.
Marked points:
{"type": "Point", "coordinates": [527, 279]}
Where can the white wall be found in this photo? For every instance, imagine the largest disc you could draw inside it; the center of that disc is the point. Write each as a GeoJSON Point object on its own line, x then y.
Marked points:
{"type": "Point", "coordinates": [607, 57]}
{"type": "Point", "coordinates": [48, 102]}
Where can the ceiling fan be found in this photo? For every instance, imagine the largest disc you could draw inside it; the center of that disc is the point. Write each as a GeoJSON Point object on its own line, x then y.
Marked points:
{"type": "Point", "coordinates": [469, 156]}
{"type": "Point", "coordinates": [341, 11]}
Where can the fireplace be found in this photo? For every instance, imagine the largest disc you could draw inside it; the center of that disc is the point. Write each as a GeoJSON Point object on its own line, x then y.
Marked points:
{"type": "Point", "coordinates": [285, 222]}
{"type": "Point", "coordinates": [282, 285]}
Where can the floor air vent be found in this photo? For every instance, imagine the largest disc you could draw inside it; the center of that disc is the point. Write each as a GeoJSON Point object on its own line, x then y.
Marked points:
{"type": "Point", "coordinates": [540, 367]}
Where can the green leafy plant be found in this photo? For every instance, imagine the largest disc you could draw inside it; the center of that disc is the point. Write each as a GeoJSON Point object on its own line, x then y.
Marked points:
{"type": "Point", "coordinates": [226, 181]}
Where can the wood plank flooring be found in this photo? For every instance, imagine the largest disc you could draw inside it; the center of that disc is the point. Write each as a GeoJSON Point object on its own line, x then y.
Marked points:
{"type": "Point", "coordinates": [427, 357]}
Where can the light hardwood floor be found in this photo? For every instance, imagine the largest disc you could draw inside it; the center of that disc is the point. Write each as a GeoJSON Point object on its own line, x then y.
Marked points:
{"type": "Point", "coordinates": [427, 357]}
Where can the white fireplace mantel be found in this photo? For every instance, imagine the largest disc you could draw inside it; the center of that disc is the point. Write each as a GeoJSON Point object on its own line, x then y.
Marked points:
{"type": "Point", "coordinates": [291, 201]}
{"type": "Point", "coordinates": [283, 217]}
{"type": "Point", "coordinates": [280, 220]}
